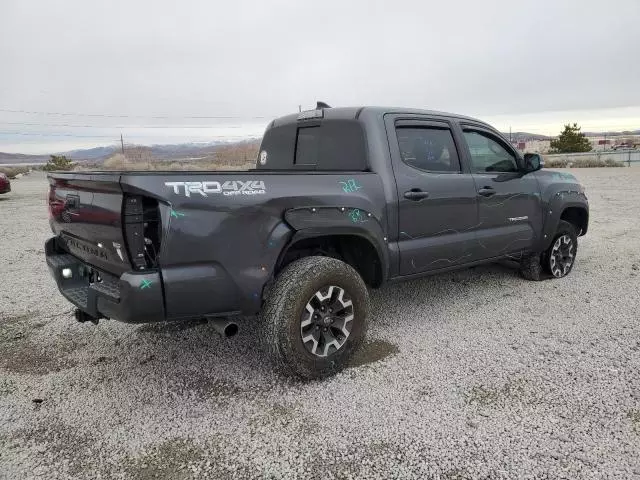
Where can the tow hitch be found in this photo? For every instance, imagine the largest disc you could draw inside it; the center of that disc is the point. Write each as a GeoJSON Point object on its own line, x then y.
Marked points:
{"type": "Point", "coordinates": [83, 317]}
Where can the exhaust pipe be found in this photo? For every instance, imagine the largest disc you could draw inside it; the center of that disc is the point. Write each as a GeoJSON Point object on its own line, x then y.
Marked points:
{"type": "Point", "coordinates": [224, 327]}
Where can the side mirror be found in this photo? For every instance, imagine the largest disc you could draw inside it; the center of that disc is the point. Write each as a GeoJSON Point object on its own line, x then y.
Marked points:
{"type": "Point", "coordinates": [533, 162]}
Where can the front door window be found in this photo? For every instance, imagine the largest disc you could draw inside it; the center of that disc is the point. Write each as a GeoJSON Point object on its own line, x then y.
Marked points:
{"type": "Point", "coordinates": [489, 155]}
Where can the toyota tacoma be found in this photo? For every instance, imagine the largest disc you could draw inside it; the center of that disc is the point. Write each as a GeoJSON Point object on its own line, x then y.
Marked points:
{"type": "Point", "coordinates": [340, 200]}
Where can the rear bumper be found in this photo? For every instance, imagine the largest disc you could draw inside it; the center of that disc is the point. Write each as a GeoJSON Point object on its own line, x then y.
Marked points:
{"type": "Point", "coordinates": [5, 187]}
{"type": "Point", "coordinates": [133, 297]}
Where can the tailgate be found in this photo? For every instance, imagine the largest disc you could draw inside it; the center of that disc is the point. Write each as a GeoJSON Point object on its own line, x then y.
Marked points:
{"type": "Point", "coordinates": [87, 212]}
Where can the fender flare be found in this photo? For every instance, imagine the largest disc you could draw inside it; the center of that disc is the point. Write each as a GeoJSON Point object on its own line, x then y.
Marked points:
{"type": "Point", "coordinates": [318, 222]}
{"type": "Point", "coordinates": [555, 207]}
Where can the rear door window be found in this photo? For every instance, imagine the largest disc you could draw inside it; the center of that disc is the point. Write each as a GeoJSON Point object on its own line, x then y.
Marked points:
{"type": "Point", "coordinates": [428, 148]}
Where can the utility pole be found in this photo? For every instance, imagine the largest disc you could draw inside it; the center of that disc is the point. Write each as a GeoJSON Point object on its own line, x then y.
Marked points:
{"type": "Point", "coordinates": [122, 143]}
{"type": "Point", "coordinates": [509, 133]}
{"type": "Point", "coordinates": [299, 108]}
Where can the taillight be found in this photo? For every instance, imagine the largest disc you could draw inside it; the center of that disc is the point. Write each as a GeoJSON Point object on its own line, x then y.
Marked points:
{"type": "Point", "coordinates": [142, 230]}
{"type": "Point", "coordinates": [56, 206]}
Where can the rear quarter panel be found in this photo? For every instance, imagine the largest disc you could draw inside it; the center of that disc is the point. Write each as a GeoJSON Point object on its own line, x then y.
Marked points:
{"type": "Point", "coordinates": [220, 247]}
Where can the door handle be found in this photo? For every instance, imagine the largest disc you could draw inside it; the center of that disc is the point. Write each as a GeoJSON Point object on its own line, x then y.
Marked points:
{"type": "Point", "coordinates": [416, 194]}
{"type": "Point", "coordinates": [486, 191]}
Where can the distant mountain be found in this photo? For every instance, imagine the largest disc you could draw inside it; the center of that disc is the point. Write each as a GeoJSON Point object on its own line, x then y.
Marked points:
{"type": "Point", "coordinates": [525, 136]}
{"type": "Point", "coordinates": [612, 134]}
{"type": "Point", "coordinates": [178, 152]}
{"type": "Point", "coordinates": [91, 154]}
{"type": "Point", "coordinates": [21, 158]}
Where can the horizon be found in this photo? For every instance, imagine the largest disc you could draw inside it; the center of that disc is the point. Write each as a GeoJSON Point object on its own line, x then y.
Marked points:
{"type": "Point", "coordinates": [30, 142]}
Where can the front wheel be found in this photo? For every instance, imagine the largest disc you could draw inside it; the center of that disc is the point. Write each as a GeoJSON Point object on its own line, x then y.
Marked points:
{"type": "Point", "coordinates": [315, 316]}
{"type": "Point", "coordinates": [559, 258]}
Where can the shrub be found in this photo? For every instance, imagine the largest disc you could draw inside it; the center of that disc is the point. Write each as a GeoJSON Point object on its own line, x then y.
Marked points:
{"type": "Point", "coordinates": [556, 162]}
{"type": "Point", "coordinates": [11, 172]}
{"type": "Point", "coordinates": [588, 162]}
{"type": "Point", "coordinates": [115, 162]}
{"type": "Point", "coordinates": [58, 162]}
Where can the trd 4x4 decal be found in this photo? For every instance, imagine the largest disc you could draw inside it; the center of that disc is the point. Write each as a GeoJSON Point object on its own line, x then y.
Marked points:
{"type": "Point", "coordinates": [229, 187]}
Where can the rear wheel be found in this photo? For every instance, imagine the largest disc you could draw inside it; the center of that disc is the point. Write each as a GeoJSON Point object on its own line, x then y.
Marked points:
{"type": "Point", "coordinates": [315, 316]}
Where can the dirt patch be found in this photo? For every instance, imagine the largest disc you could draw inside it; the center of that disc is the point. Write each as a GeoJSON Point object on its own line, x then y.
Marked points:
{"type": "Point", "coordinates": [16, 327]}
{"type": "Point", "coordinates": [458, 474]}
{"type": "Point", "coordinates": [7, 387]}
{"type": "Point", "coordinates": [634, 416]}
{"type": "Point", "coordinates": [373, 352]}
{"type": "Point", "coordinates": [171, 460]}
{"type": "Point", "coordinates": [204, 387]}
{"type": "Point", "coordinates": [277, 415]}
{"type": "Point", "coordinates": [171, 327]}
{"type": "Point", "coordinates": [282, 417]}
{"type": "Point", "coordinates": [66, 445]}
{"type": "Point", "coordinates": [19, 354]}
{"type": "Point", "coordinates": [30, 358]}
{"type": "Point", "coordinates": [489, 396]}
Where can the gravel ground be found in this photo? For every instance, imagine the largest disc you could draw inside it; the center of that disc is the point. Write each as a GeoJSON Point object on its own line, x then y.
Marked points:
{"type": "Point", "coordinates": [473, 374]}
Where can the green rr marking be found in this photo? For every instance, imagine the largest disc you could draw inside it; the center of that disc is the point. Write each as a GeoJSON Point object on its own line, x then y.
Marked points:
{"type": "Point", "coordinates": [350, 186]}
{"type": "Point", "coordinates": [145, 284]}
{"type": "Point", "coordinates": [356, 216]}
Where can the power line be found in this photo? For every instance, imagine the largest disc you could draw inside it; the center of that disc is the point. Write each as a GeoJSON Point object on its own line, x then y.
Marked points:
{"type": "Point", "coordinates": [111, 136]}
{"type": "Point", "coordinates": [164, 117]}
{"type": "Point", "coordinates": [67, 125]}
{"type": "Point", "coordinates": [57, 135]}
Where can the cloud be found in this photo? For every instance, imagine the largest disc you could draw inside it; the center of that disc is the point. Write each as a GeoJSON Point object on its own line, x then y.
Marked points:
{"type": "Point", "coordinates": [256, 58]}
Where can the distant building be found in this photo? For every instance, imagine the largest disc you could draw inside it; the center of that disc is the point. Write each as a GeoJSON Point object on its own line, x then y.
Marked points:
{"type": "Point", "coordinates": [532, 146]}
{"type": "Point", "coordinates": [601, 143]}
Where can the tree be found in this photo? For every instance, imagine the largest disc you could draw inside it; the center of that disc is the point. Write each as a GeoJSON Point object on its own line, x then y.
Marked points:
{"type": "Point", "coordinates": [58, 162]}
{"type": "Point", "coordinates": [571, 140]}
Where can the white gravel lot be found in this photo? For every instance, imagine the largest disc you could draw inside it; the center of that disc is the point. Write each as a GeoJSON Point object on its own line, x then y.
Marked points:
{"type": "Point", "coordinates": [473, 374]}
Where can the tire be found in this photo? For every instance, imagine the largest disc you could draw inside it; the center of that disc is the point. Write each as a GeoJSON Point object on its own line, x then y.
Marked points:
{"type": "Point", "coordinates": [565, 245]}
{"type": "Point", "coordinates": [531, 267]}
{"type": "Point", "coordinates": [297, 306]}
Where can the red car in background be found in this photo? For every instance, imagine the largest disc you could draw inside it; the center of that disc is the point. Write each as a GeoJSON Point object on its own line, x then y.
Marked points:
{"type": "Point", "coordinates": [5, 184]}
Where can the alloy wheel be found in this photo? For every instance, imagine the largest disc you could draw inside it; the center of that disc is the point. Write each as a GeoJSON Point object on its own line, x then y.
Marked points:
{"type": "Point", "coordinates": [562, 256]}
{"type": "Point", "coordinates": [326, 321]}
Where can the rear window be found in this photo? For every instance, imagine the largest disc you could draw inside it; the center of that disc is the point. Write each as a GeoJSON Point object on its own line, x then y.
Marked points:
{"type": "Point", "coordinates": [307, 146]}
{"type": "Point", "coordinates": [324, 145]}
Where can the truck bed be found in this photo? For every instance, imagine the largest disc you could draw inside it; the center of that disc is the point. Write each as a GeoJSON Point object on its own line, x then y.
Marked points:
{"type": "Point", "coordinates": [188, 228]}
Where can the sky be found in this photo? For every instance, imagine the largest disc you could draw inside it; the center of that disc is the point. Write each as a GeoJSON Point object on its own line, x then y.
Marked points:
{"type": "Point", "coordinates": [152, 69]}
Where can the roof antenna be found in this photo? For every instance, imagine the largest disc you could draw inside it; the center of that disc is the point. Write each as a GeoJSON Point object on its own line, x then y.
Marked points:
{"type": "Point", "coordinates": [320, 105]}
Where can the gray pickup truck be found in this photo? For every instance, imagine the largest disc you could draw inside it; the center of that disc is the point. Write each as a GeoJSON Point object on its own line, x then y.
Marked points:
{"type": "Point", "coordinates": [341, 199]}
